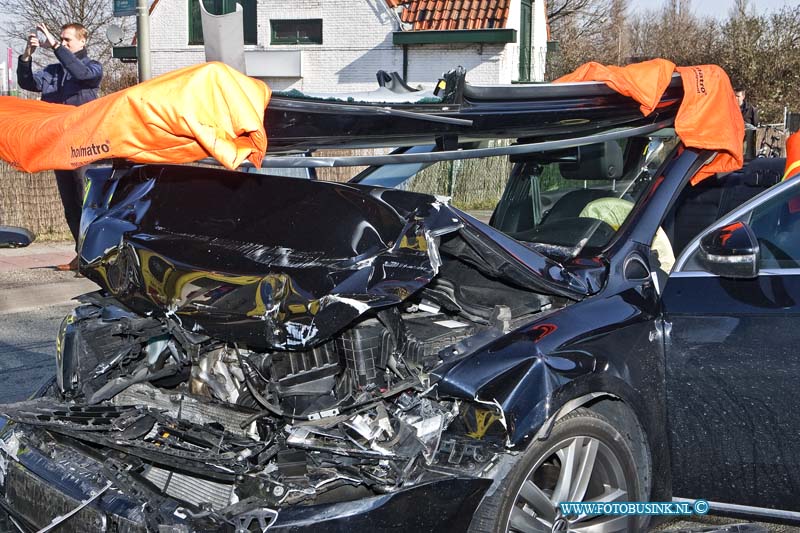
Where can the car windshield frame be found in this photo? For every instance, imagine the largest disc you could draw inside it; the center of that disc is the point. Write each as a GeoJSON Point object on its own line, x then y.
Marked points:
{"type": "Point", "coordinates": [643, 159]}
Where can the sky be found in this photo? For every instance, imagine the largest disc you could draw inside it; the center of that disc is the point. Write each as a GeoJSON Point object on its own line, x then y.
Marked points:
{"type": "Point", "coordinates": [718, 8]}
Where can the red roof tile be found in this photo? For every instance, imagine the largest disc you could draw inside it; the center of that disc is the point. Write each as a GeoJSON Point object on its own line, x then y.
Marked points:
{"type": "Point", "coordinates": [452, 14]}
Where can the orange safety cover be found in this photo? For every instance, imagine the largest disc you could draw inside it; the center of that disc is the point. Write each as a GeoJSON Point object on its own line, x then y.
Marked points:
{"type": "Point", "coordinates": [793, 166]}
{"type": "Point", "coordinates": [792, 155]}
{"type": "Point", "coordinates": [183, 116]}
{"type": "Point", "coordinates": [708, 118]}
{"type": "Point", "coordinates": [645, 82]}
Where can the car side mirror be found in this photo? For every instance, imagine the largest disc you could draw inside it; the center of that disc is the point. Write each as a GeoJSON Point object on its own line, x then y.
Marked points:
{"type": "Point", "coordinates": [731, 251]}
{"type": "Point", "coordinates": [14, 237]}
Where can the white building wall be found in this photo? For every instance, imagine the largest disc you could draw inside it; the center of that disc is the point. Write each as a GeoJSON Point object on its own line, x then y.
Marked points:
{"type": "Point", "coordinates": [169, 35]}
{"type": "Point", "coordinates": [357, 42]}
{"type": "Point", "coordinates": [485, 63]}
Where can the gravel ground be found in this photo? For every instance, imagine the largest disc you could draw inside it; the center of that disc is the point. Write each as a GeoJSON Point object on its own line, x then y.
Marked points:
{"type": "Point", "coordinates": [27, 350]}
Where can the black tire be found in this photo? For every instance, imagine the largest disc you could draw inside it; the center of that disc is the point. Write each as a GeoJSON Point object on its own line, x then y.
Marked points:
{"type": "Point", "coordinates": [584, 429]}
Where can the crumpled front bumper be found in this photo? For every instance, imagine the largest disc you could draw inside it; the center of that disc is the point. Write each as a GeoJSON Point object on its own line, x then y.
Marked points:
{"type": "Point", "coordinates": [36, 487]}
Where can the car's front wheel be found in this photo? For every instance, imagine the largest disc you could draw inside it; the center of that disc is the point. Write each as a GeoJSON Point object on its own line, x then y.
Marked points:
{"type": "Point", "coordinates": [585, 459]}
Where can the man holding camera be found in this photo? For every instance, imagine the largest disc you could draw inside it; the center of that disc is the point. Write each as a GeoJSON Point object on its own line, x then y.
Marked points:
{"type": "Point", "coordinates": [74, 80]}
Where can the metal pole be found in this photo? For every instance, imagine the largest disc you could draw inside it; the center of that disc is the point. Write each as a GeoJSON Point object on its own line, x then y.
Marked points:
{"type": "Point", "coordinates": [143, 39]}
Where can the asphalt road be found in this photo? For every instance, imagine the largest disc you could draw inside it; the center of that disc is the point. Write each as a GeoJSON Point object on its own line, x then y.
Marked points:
{"type": "Point", "coordinates": [34, 301]}
{"type": "Point", "coordinates": [27, 350]}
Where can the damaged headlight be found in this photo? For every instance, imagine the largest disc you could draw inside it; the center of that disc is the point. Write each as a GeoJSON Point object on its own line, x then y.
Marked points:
{"type": "Point", "coordinates": [68, 348]}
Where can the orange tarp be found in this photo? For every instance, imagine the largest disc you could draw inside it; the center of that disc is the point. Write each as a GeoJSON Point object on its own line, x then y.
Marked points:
{"type": "Point", "coordinates": [793, 166]}
{"type": "Point", "coordinates": [792, 155]}
{"type": "Point", "coordinates": [708, 118]}
{"type": "Point", "coordinates": [183, 116]}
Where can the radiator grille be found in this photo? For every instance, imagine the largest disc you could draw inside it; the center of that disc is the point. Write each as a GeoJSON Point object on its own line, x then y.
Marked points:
{"type": "Point", "coordinates": [191, 489]}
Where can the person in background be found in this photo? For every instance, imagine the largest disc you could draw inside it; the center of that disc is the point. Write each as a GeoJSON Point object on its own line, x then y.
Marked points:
{"type": "Point", "coordinates": [73, 80]}
{"type": "Point", "coordinates": [749, 112]}
{"type": "Point", "coordinates": [750, 117]}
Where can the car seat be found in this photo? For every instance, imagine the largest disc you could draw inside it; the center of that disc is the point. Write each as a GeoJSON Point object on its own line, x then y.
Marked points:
{"type": "Point", "coordinates": [571, 204]}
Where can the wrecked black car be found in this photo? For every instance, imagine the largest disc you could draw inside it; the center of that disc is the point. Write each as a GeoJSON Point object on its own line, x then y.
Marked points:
{"type": "Point", "coordinates": [269, 353]}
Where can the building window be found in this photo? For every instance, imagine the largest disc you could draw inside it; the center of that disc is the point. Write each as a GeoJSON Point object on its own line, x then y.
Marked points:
{"type": "Point", "coordinates": [296, 31]}
{"type": "Point", "coordinates": [222, 7]}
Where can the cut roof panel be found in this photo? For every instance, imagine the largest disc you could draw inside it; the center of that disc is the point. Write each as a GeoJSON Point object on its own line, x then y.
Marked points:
{"type": "Point", "coordinates": [452, 14]}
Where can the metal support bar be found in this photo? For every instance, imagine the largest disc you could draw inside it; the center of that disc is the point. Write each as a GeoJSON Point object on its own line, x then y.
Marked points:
{"type": "Point", "coordinates": [452, 155]}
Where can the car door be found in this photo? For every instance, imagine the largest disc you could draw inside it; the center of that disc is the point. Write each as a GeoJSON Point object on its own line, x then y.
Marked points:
{"type": "Point", "coordinates": [732, 350]}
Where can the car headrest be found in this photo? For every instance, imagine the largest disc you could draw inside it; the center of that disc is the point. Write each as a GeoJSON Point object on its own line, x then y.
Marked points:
{"type": "Point", "coordinates": [601, 161]}
{"type": "Point", "coordinates": [762, 172]}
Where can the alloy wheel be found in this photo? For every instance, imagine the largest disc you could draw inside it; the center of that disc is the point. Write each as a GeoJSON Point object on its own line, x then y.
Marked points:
{"type": "Point", "coordinates": [576, 469]}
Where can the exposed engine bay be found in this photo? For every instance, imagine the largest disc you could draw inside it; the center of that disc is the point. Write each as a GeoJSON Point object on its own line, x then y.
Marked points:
{"type": "Point", "coordinates": [214, 424]}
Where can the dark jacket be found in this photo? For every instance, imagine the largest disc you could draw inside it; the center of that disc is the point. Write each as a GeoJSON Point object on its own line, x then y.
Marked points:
{"type": "Point", "coordinates": [749, 113]}
{"type": "Point", "coordinates": [74, 80]}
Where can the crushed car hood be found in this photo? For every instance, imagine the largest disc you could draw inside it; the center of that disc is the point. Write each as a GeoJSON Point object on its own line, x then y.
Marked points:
{"type": "Point", "coordinates": [276, 262]}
